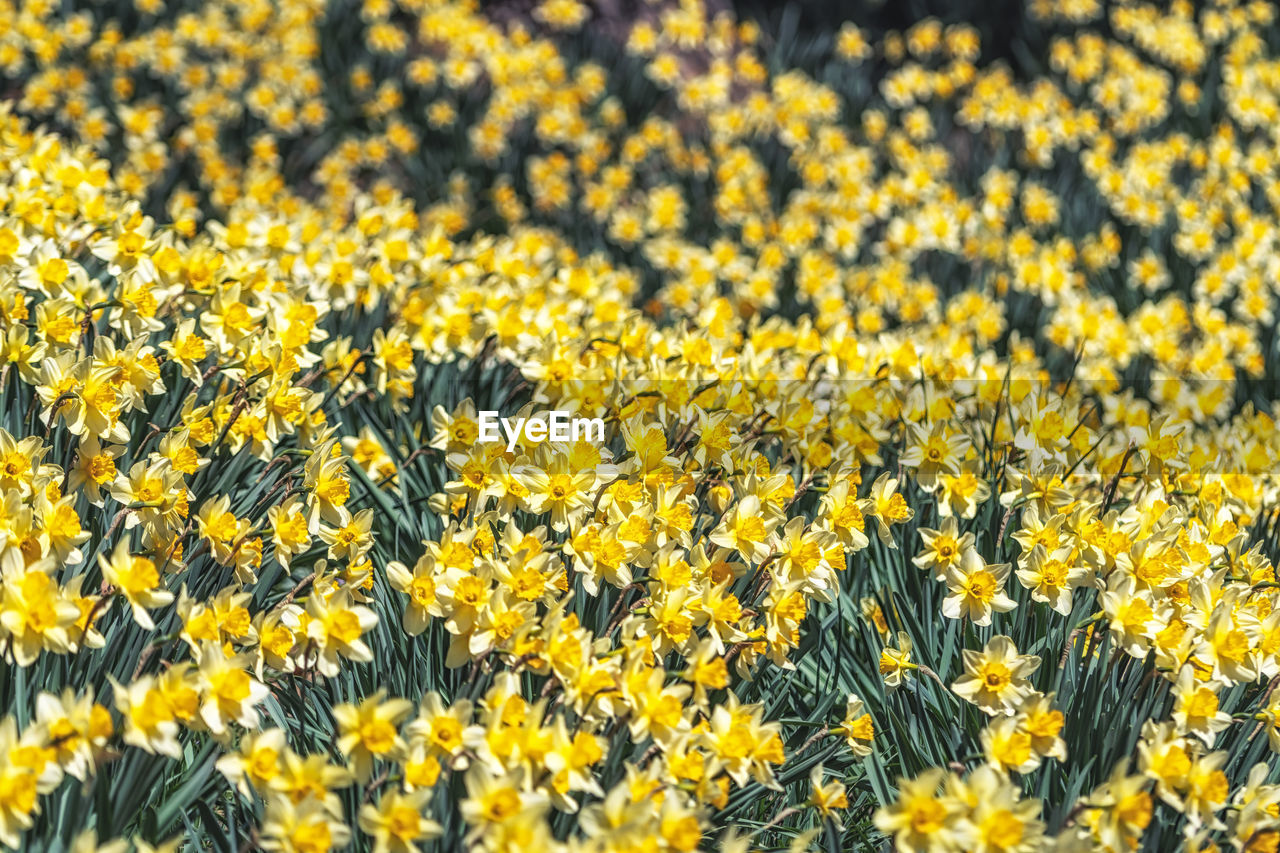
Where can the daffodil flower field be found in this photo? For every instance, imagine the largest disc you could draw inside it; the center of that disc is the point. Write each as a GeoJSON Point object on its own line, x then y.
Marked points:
{"type": "Point", "coordinates": [934, 503]}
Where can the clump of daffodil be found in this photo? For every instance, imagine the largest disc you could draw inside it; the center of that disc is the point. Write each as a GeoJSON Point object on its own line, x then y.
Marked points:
{"type": "Point", "coordinates": [1011, 328]}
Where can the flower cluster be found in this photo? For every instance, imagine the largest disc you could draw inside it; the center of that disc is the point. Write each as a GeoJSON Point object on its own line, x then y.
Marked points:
{"type": "Point", "coordinates": [936, 501]}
